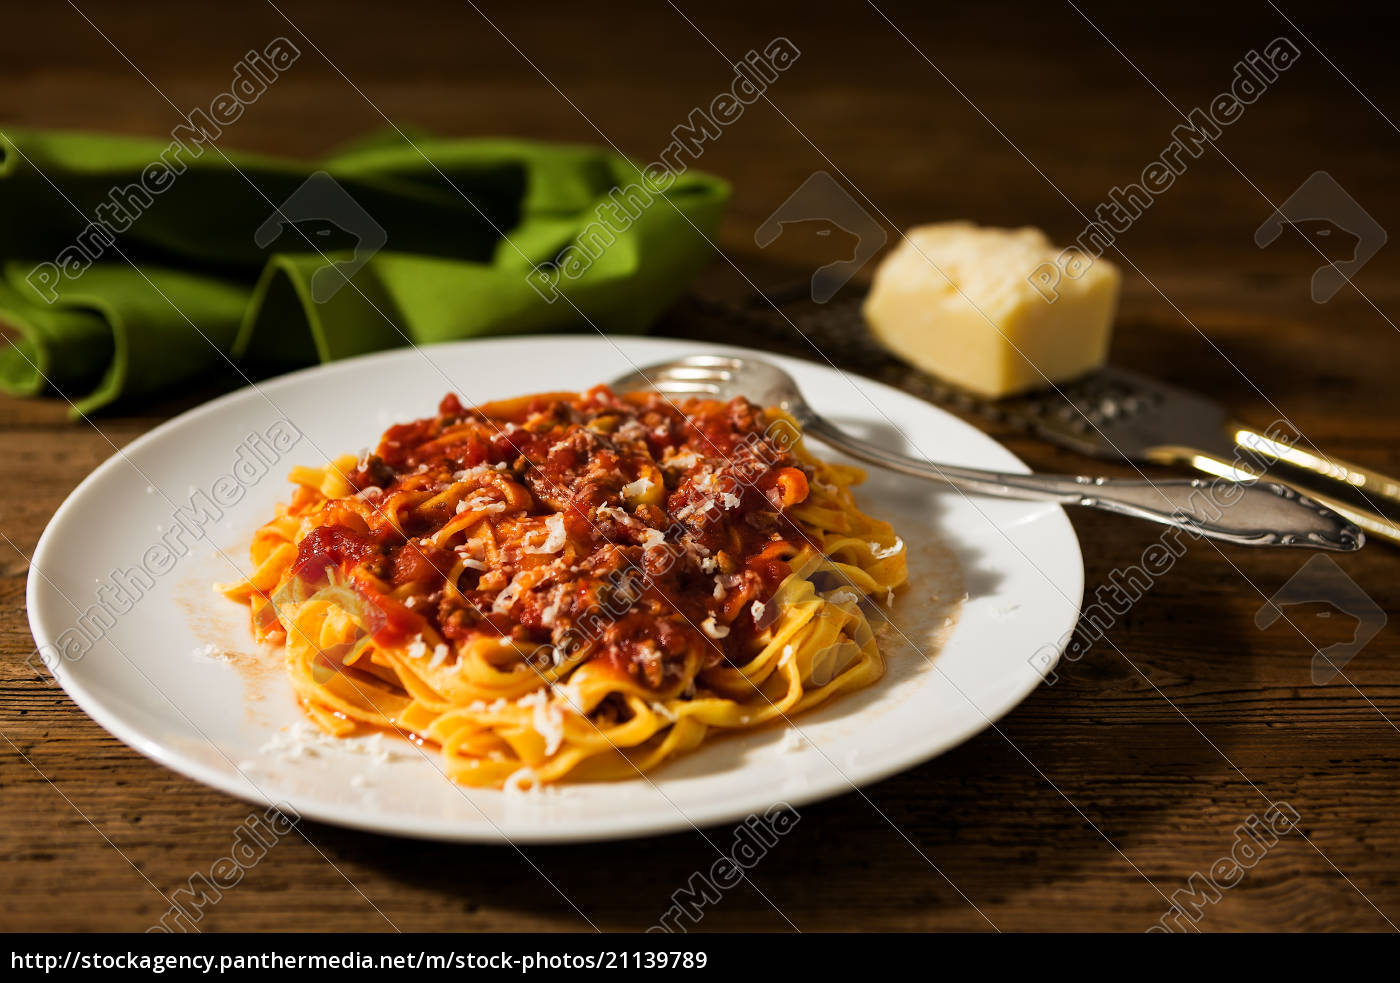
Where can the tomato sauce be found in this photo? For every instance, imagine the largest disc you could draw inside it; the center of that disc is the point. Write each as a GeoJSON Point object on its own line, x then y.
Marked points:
{"type": "Point", "coordinates": [673, 517]}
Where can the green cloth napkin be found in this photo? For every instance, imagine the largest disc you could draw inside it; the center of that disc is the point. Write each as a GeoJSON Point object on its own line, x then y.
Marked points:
{"type": "Point", "coordinates": [385, 243]}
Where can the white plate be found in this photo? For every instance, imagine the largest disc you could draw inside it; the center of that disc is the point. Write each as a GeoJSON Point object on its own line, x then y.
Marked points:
{"type": "Point", "coordinates": [228, 721]}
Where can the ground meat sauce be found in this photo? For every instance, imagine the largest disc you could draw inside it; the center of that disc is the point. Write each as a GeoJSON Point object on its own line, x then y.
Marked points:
{"type": "Point", "coordinates": [673, 515]}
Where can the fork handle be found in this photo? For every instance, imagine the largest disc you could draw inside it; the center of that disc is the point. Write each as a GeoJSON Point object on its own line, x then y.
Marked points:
{"type": "Point", "coordinates": [1254, 513]}
{"type": "Point", "coordinates": [1368, 498]}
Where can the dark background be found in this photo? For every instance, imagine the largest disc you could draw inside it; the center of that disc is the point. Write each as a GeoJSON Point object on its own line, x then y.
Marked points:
{"type": "Point", "coordinates": [1146, 755]}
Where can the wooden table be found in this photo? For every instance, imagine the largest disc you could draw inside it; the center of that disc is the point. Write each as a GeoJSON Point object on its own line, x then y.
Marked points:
{"type": "Point", "coordinates": [1109, 790]}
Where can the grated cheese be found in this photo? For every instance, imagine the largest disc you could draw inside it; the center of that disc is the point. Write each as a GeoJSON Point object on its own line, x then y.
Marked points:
{"type": "Point", "coordinates": [480, 504]}
{"type": "Point", "coordinates": [638, 488]}
{"type": "Point", "coordinates": [522, 782]}
{"type": "Point", "coordinates": [713, 629]}
{"type": "Point", "coordinates": [440, 652]}
{"type": "Point", "coordinates": [883, 552]}
{"type": "Point", "coordinates": [792, 741]}
{"type": "Point", "coordinates": [508, 595]}
{"type": "Point", "coordinates": [653, 538]}
{"type": "Point", "coordinates": [547, 718]}
{"type": "Point", "coordinates": [556, 538]}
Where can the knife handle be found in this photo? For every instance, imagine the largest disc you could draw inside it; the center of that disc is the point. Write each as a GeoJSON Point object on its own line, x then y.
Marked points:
{"type": "Point", "coordinates": [1368, 498]}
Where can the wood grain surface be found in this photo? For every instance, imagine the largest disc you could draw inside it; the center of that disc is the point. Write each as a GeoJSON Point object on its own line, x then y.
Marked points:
{"type": "Point", "coordinates": [1103, 794]}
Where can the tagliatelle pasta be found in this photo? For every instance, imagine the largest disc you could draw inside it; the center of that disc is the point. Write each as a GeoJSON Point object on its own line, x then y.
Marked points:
{"type": "Point", "coordinates": [573, 586]}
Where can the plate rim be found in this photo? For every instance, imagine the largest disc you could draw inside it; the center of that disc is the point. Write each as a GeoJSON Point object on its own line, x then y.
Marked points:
{"type": "Point", "coordinates": [434, 829]}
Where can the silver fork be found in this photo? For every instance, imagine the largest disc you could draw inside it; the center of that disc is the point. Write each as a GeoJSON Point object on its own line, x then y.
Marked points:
{"type": "Point", "coordinates": [1263, 513]}
{"type": "Point", "coordinates": [1111, 414]}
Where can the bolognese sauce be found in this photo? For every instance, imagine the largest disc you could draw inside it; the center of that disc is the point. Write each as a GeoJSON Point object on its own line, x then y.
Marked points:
{"type": "Point", "coordinates": [653, 532]}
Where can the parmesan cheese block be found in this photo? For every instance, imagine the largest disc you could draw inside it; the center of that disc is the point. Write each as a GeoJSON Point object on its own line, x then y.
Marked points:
{"type": "Point", "coordinates": [995, 311]}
